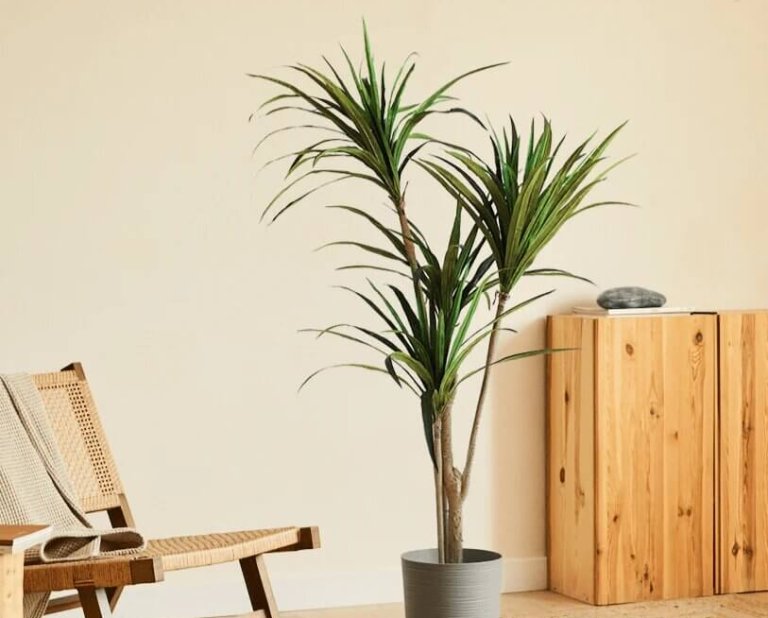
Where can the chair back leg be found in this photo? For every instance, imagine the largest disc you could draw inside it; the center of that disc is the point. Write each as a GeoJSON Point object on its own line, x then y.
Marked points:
{"type": "Point", "coordinates": [259, 589]}
{"type": "Point", "coordinates": [119, 517]}
{"type": "Point", "coordinates": [95, 602]}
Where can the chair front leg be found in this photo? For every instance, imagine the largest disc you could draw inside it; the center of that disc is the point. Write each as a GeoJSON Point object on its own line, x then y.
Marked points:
{"type": "Point", "coordinates": [14, 540]}
{"type": "Point", "coordinates": [95, 602]}
{"type": "Point", "coordinates": [12, 585]}
{"type": "Point", "coordinates": [259, 589]}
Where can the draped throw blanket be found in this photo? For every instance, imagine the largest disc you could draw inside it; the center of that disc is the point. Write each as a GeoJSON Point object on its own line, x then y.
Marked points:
{"type": "Point", "coordinates": [35, 487]}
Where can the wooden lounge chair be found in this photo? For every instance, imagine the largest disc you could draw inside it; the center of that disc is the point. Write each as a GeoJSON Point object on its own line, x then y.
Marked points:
{"type": "Point", "coordinates": [99, 582]}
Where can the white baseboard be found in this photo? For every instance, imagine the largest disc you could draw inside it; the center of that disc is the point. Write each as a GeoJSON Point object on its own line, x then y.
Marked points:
{"type": "Point", "coordinates": [220, 590]}
{"type": "Point", "coordinates": [524, 574]}
{"type": "Point", "coordinates": [385, 586]}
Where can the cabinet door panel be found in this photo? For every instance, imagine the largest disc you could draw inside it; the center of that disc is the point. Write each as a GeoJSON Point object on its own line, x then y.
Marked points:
{"type": "Point", "coordinates": [655, 410]}
{"type": "Point", "coordinates": [743, 542]}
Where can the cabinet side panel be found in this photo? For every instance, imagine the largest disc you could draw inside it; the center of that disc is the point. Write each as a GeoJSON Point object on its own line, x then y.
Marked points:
{"type": "Point", "coordinates": [570, 453]}
{"type": "Point", "coordinates": [743, 516]}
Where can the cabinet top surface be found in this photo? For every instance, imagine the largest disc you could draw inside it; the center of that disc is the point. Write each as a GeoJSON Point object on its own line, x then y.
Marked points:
{"type": "Point", "coordinates": [634, 316]}
{"type": "Point", "coordinates": [598, 316]}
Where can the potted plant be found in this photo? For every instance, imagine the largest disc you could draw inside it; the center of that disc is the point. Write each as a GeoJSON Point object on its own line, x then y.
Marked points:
{"type": "Point", "coordinates": [505, 209]}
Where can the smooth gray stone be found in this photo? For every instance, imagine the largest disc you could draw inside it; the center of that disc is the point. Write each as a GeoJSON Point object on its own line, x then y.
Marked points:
{"type": "Point", "coordinates": [630, 298]}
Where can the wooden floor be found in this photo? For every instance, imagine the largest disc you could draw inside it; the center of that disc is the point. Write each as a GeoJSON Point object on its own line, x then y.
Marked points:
{"type": "Point", "coordinates": [550, 605]}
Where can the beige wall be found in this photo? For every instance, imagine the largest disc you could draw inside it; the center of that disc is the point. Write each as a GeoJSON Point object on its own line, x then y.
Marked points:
{"type": "Point", "coordinates": [129, 239]}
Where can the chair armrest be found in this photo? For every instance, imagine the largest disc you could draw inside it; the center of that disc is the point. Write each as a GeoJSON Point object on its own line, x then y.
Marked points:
{"type": "Point", "coordinates": [17, 539]}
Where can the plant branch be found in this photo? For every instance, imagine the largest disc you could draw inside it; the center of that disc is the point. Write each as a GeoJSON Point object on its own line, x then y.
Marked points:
{"type": "Point", "coordinates": [502, 301]}
{"type": "Point", "coordinates": [405, 230]}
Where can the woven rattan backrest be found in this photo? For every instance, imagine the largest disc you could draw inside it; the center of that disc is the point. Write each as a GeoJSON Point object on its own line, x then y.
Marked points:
{"type": "Point", "coordinates": [81, 438]}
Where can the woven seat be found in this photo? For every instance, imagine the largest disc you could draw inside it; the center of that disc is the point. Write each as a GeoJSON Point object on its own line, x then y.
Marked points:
{"type": "Point", "coordinates": [188, 552]}
{"type": "Point", "coordinates": [92, 470]}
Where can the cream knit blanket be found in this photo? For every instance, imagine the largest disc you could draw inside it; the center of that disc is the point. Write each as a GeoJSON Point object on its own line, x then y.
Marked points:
{"type": "Point", "coordinates": [35, 487]}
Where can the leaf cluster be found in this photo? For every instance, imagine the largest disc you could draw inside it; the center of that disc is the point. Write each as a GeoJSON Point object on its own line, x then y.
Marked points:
{"type": "Point", "coordinates": [515, 203]}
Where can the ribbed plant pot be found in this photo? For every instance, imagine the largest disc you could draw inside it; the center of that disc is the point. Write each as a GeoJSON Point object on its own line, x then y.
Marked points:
{"type": "Point", "coordinates": [471, 589]}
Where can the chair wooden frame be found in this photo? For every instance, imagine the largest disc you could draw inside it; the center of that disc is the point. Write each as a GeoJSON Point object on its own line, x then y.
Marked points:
{"type": "Point", "coordinates": [98, 583]}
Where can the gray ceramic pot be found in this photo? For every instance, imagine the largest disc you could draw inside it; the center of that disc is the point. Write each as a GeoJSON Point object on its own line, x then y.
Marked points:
{"type": "Point", "coordinates": [471, 589]}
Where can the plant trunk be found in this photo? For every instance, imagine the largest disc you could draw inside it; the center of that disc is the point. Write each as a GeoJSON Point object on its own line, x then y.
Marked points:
{"type": "Point", "coordinates": [454, 550]}
{"type": "Point", "coordinates": [448, 480]}
{"type": "Point", "coordinates": [454, 540]}
{"type": "Point", "coordinates": [502, 301]}
{"type": "Point", "coordinates": [439, 494]}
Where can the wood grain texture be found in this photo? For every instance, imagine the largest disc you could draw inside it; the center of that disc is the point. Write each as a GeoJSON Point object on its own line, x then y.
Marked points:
{"type": "Point", "coordinates": [743, 484]}
{"type": "Point", "coordinates": [655, 470]}
{"type": "Point", "coordinates": [631, 429]}
{"type": "Point", "coordinates": [570, 459]}
{"type": "Point", "coordinates": [11, 585]}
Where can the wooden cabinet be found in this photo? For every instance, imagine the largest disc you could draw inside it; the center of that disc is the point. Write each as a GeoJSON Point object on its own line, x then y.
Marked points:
{"type": "Point", "coordinates": [631, 457]}
{"type": "Point", "coordinates": [743, 451]}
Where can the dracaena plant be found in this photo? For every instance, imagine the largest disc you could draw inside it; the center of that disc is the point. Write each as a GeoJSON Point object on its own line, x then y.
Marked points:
{"type": "Point", "coordinates": [366, 128]}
